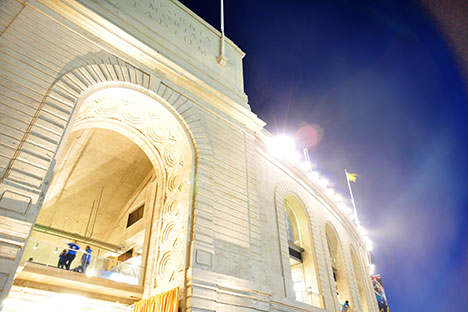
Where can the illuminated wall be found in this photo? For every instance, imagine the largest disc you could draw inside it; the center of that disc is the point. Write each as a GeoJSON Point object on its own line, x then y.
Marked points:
{"type": "Point", "coordinates": [149, 71]}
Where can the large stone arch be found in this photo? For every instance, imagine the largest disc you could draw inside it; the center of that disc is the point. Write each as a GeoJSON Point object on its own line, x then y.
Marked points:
{"type": "Point", "coordinates": [47, 126]}
{"type": "Point", "coordinates": [282, 190]}
{"type": "Point", "coordinates": [136, 115]}
{"type": "Point", "coordinates": [53, 116]}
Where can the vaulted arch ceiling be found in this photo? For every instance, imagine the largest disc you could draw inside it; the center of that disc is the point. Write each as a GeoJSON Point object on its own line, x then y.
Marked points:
{"type": "Point", "coordinates": [99, 168]}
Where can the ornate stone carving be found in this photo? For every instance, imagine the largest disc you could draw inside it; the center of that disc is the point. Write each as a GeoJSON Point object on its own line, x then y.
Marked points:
{"type": "Point", "coordinates": [170, 206]}
{"type": "Point", "coordinates": [153, 114]}
{"type": "Point", "coordinates": [156, 134]}
{"type": "Point", "coordinates": [171, 155]}
{"type": "Point", "coordinates": [133, 114]}
{"type": "Point", "coordinates": [85, 109]}
{"type": "Point", "coordinates": [163, 264]}
{"type": "Point", "coordinates": [170, 141]}
{"type": "Point", "coordinates": [172, 136]}
{"type": "Point", "coordinates": [105, 108]}
{"type": "Point", "coordinates": [174, 181]}
{"type": "Point", "coordinates": [167, 232]}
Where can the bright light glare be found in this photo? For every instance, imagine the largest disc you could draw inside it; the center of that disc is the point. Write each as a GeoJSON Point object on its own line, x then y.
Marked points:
{"type": "Point", "coordinates": [371, 269]}
{"type": "Point", "coordinates": [283, 147]}
{"type": "Point", "coordinates": [323, 182]}
{"type": "Point", "coordinates": [305, 165]}
{"type": "Point", "coordinates": [124, 278]}
{"type": "Point", "coordinates": [369, 244]}
{"type": "Point", "coordinates": [135, 261]}
{"type": "Point", "coordinates": [63, 300]}
{"type": "Point", "coordinates": [315, 175]}
{"type": "Point", "coordinates": [8, 302]}
{"type": "Point", "coordinates": [362, 230]}
{"type": "Point", "coordinates": [284, 142]}
{"type": "Point", "coordinates": [299, 286]}
{"type": "Point", "coordinates": [339, 198]}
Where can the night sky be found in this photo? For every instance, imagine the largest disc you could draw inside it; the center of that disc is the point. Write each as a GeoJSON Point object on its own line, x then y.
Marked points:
{"type": "Point", "coordinates": [383, 86]}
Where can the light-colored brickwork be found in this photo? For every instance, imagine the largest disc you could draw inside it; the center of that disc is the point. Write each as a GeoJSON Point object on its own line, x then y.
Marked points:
{"type": "Point", "coordinates": [218, 228]}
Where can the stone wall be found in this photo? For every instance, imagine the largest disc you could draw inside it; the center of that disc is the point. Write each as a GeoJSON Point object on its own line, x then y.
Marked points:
{"type": "Point", "coordinates": [54, 52]}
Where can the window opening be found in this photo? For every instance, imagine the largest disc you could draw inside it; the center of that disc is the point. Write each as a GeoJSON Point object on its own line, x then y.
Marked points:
{"type": "Point", "coordinates": [134, 216]}
{"type": "Point", "coordinates": [303, 273]}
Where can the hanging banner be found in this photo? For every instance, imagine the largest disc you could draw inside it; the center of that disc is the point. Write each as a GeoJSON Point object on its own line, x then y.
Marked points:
{"type": "Point", "coordinates": [380, 293]}
{"type": "Point", "coordinates": [165, 302]}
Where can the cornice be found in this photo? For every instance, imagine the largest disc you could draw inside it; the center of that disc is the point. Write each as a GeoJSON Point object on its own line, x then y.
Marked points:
{"type": "Point", "coordinates": [85, 22]}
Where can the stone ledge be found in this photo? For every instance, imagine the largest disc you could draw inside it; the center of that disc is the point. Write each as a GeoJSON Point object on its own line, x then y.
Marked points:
{"type": "Point", "coordinates": [52, 279]}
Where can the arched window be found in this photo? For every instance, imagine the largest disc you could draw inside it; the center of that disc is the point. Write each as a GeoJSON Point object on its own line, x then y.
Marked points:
{"type": "Point", "coordinates": [337, 263]}
{"type": "Point", "coordinates": [301, 253]}
{"type": "Point", "coordinates": [359, 276]}
{"type": "Point", "coordinates": [291, 224]}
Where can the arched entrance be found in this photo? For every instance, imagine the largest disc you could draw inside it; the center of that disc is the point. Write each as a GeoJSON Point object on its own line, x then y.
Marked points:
{"type": "Point", "coordinates": [102, 195]}
{"type": "Point", "coordinates": [122, 185]}
{"type": "Point", "coordinates": [337, 265]}
{"type": "Point", "coordinates": [165, 141]}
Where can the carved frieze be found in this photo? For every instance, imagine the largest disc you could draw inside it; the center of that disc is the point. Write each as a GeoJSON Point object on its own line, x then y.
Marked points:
{"type": "Point", "coordinates": [165, 18]}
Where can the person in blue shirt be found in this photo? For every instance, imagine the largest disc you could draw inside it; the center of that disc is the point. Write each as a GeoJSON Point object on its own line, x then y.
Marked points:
{"type": "Point", "coordinates": [71, 254]}
{"type": "Point", "coordinates": [345, 306]}
{"type": "Point", "coordinates": [86, 258]}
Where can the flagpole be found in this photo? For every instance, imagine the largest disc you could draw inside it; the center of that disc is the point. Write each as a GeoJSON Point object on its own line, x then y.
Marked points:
{"type": "Point", "coordinates": [352, 198]}
{"type": "Point", "coordinates": [222, 59]}
{"type": "Point", "coordinates": [307, 159]}
{"type": "Point", "coordinates": [222, 27]}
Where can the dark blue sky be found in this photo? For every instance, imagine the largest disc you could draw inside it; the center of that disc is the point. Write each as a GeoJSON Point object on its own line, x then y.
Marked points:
{"type": "Point", "coordinates": [385, 88]}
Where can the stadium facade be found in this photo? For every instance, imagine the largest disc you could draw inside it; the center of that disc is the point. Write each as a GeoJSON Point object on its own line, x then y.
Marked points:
{"type": "Point", "coordinates": [124, 127]}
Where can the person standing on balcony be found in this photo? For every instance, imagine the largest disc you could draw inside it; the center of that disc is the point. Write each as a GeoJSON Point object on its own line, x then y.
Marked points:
{"type": "Point", "coordinates": [61, 263]}
{"type": "Point", "coordinates": [71, 254]}
{"type": "Point", "coordinates": [345, 306]}
{"type": "Point", "coordinates": [86, 258]}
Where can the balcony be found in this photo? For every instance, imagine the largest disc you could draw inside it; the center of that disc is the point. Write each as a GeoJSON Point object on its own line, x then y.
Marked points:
{"type": "Point", "coordinates": [111, 276]}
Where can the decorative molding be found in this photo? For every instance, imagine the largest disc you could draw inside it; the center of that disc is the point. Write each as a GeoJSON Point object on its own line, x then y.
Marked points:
{"type": "Point", "coordinates": [204, 257]}
{"type": "Point", "coordinates": [168, 139]}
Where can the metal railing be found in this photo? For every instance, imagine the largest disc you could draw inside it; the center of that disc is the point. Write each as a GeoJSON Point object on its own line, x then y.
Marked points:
{"type": "Point", "coordinates": [307, 295]}
{"type": "Point", "coordinates": [101, 264]}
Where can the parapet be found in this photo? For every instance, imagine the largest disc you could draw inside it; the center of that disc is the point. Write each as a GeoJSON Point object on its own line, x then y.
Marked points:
{"type": "Point", "coordinates": [178, 34]}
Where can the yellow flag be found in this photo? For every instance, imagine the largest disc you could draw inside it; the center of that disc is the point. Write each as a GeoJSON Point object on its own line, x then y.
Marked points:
{"type": "Point", "coordinates": [351, 176]}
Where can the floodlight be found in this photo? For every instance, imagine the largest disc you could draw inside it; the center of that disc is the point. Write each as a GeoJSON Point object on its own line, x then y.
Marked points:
{"type": "Point", "coordinates": [284, 147]}
{"type": "Point", "coordinates": [323, 182]}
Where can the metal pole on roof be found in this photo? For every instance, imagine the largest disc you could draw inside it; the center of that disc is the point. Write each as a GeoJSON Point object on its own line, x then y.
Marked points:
{"type": "Point", "coordinates": [222, 59]}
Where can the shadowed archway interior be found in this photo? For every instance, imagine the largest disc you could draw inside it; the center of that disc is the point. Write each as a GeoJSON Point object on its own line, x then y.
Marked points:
{"type": "Point", "coordinates": [95, 178]}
